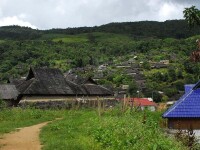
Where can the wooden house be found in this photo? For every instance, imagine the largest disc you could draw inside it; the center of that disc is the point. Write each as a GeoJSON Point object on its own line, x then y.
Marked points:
{"type": "Point", "coordinates": [185, 113]}
{"type": "Point", "coordinates": [9, 94]}
{"type": "Point", "coordinates": [44, 84]}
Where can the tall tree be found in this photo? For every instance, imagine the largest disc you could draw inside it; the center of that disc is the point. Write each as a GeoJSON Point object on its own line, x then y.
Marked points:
{"type": "Point", "coordinates": [192, 16]}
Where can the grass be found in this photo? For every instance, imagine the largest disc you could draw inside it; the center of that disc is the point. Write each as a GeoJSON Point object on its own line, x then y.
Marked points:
{"type": "Point", "coordinates": [2, 41]}
{"type": "Point", "coordinates": [85, 129]}
{"type": "Point", "coordinates": [10, 119]}
{"type": "Point", "coordinates": [71, 39]}
{"type": "Point", "coordinates": [152, 71]}
{"type": "Point", "coordinates": [99, 37]}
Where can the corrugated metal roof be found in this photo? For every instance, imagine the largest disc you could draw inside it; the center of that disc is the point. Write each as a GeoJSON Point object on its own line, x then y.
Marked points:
{"type": "Point", "coordinates": [188, 106]}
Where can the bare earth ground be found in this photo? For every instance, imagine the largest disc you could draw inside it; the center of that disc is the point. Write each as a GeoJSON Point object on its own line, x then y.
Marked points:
{"type": "Point", "coordinates": [26, 138]}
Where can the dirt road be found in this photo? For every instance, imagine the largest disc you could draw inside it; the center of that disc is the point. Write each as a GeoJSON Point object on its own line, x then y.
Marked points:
{"type": "Point", "coordinates": [26, 138]}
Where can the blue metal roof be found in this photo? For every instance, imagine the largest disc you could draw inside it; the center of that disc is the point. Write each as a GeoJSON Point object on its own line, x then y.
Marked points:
{"type": "Point", "coordinates": [188, 106]}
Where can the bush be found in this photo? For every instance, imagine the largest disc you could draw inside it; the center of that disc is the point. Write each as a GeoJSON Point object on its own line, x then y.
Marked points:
{"type": "Point", "coordinates": [2, 104]}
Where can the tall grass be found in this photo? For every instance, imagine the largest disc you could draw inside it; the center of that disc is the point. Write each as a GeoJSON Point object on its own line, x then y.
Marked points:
{"type": "Point", "coordinates": [113, 130]}
{"type": "Point", "coordinates": [10, 119]}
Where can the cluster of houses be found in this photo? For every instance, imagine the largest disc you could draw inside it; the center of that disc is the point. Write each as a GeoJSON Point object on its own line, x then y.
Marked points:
{"type": "Point", "coordinates": [49, 84]}
{"type": "Point", "coordinates": [44, 84]}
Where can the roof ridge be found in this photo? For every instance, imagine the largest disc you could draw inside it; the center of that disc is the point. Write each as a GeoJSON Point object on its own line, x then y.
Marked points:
{"type": "Point", "coordinates": [196, 85]}
{"type": "Point", "coordinates": [32, 81]}
{"type": "Point", "coordinates": [177, 103]}
{"type": "Point", "coordinates": [105, 88]}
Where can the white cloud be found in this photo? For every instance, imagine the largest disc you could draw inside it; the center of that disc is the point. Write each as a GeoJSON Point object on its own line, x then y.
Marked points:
{"type": "Point", "coordinates": [14, 20]}
{"type": "Point", "coordinates": [46, 14]}
{"type": "Point", "coordinates": [170, 11]}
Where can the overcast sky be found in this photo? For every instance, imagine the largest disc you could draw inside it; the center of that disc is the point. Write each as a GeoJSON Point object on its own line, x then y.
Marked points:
{"type": "Point", "coordinates": [47, 14]}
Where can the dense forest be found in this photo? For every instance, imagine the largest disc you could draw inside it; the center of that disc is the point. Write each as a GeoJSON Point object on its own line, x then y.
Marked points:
{"type": "Point", "coordinates": [144, 29]}
{"type": "Point", "coordinates": [113, 44]}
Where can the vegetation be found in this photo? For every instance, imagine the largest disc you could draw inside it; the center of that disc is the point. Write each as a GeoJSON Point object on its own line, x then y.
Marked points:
{"type": "Point", "coordinates": [84, 129]}
{"type": "Point", "coordinates": [192, 16]}
{"type": "Point", "coordinates": [14, 118]}
{"type": "Point", "coordinates": [111, 44]}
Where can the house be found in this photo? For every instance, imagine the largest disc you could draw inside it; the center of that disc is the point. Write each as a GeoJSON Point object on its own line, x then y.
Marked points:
{"type": "Point", "coordinates": [9, 94]}
{"type": "Point", "coordinates": [141, 103]}
{"type": "Point", "coordinates": [90, 88]}
{"type": "Point", "coordinates": [185, 113]}
{"type": "Point", "coordinates": [133, 71]}
{"type": "Point", "coordinates": [158, 65]}
{"type": "Point", "coordinates": [44, 84]}
{"type": "Point", "coordinates": [123, 65]}
{"type": "Point", "coordinates": [166, 62]}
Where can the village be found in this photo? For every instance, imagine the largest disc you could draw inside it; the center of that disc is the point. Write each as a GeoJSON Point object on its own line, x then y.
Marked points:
{"type": "Point", "coordinates": [95, 75]}
{"type": "Point", "coordinates": [49, 88]}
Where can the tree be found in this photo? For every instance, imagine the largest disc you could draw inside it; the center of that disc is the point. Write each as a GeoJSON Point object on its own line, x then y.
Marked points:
{"type": "Point", "coordinates": [133, 88]}
{"type": "Point", "coordinates": [172, 73]}
{"type": "Point", "coordinates": [192, 16]}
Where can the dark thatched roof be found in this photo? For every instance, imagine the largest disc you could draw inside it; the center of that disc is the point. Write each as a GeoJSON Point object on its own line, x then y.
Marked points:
{"type": "Point", "coordinates": [90, 87]}
{"type": "Point", "coordinates": [74, 78]}
{"type": "Point", "coordinates": [46, 81]}
{"type": "Point", "coordinates": [16, 81]}
{"type": "Point", "coordinates": [95, 90]}
{"type": "Point", "coordinates": [8, 92]}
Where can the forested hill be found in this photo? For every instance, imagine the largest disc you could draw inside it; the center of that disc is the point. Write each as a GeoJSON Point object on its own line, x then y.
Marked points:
{"type": "Point", "coordinates": [169, 29]}
{"type": "Point", "coordinates": [85, 50]}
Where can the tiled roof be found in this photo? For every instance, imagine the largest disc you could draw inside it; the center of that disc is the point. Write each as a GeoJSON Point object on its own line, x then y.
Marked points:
{"type": "Point", "coordinates": [140, 102]}
{"type": "Point", "coordinates": [143, 102]}
{"type": "Point", "coordinates": [188, 106]}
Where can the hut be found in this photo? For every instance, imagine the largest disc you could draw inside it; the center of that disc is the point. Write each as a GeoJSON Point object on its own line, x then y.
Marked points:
{"type": "Point", "coordinates": [49, 84]}
{"type": "Point", "coordinates": [9, 94]}
{"type": "Point", "coordinates": [185, 113]}
{"type": "Point", "coordinates": [46, 84]}
{"type": "Point", "coordinates": [90, 88]}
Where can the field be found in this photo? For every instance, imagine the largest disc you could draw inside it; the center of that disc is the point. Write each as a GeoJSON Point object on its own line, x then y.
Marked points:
{"type": "Point", "coordinates": [88, 129]}
{"type": "Point", "coordinates": [10, 119]}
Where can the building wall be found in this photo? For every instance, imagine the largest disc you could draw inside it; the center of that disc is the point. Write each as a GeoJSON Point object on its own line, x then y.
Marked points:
{"type": "Point", "coordinates": [186, 123]}
{"type": "Point", "coordinates": [62, 98]}
{"type": "Point", "coordinates": [45, 102]}
{"type": "Point", "coordinates": [151, 108]}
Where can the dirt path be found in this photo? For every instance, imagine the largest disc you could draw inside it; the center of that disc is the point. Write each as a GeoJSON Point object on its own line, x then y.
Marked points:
{"type": "Point", "coordinates": [26, 138]}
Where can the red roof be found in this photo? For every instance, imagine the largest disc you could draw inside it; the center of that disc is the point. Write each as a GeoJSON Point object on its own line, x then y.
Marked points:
{"type": "Point", "coordinates": [140, 102]}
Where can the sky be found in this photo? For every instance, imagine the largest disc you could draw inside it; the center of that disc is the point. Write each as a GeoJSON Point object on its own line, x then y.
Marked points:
{"type": "Point", "coordinates": [48, 14]}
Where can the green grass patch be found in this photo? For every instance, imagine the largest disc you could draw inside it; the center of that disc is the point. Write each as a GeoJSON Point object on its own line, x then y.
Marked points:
{"type": "Point", "coordinates": [71, 39]}
{"type": "Point", "coordinates": [152, 71]}
{"type": "Point", "coordinates": [98, 37]}
{"type": "Point", "coordinates": [85, 130]}
{"type": "Point", "coordinates": [10, 119]}
{"type": "Point", "coordinates": [2, 41]}
{"type": "Point", "coordinates": [52, 36]}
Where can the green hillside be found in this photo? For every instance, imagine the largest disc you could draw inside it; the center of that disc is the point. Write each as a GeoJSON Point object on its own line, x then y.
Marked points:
{"type": "Point", "coordinates": [112, 44]}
